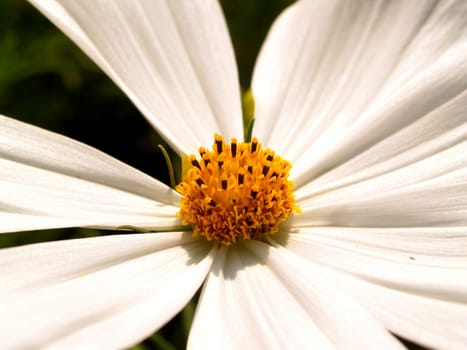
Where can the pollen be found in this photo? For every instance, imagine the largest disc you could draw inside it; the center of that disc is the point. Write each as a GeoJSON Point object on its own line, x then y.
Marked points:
{"type": "Point", "coordinates": [236, 191]}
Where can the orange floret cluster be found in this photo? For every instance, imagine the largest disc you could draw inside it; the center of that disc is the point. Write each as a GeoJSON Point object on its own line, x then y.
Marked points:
{"type": "Point", "coordinates": [236, 191]}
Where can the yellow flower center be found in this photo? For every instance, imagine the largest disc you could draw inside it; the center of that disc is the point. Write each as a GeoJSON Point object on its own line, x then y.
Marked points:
{"type": "Point", "coordinates": [236, 191]}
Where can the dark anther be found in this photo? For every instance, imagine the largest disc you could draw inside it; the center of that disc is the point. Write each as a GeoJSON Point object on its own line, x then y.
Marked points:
{"type": "Point", "coordinates": [254, 194]}
{"type": "Point", "coordinates": [241, 178]}
{"type": "Point", "coordinates": [254, 147]}
{"type": "Point", "coordinates": [274, 174]}
{"type": "Point", "coordinates": [233, 149]}
{"type": "Point", "coordinates": [195, 163]}
{"type": "Point", "coordinates": [206, 161]}
{"type": "Point", "coordinates": [270, 157]}
{"type": "Point", "coordinates": [250, 169]}
{"type": "Point", "coordinates": [212, 203]}
{"type": "Point", "coordinates": [199, 181]}
{"type": "Point", "coordinates": [224, 184]}
{"type": "Point", "coordinates": [220, 163]}
{"type": "Point", "coordinates": [265, 170]}
{"type": "Point", "coordinates": [219, 146]}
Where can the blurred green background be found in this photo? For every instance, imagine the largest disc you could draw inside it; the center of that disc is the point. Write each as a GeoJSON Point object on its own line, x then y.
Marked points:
{"type": "Point", "coordinates": [47, 81]}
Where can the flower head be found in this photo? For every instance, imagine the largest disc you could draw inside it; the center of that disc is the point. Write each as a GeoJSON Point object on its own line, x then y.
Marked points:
{"type": "Point", "coordinates": [235, 192]}
{"type": "Point", "coordinates": [367, 101]}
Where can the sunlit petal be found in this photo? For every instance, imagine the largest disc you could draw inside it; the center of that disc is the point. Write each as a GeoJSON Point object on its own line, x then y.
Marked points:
{"type": "Point", "coordinates": [334, 78]}
{"type": "Point", "coordinates": [429, 192]}
{"type": "Point", "coordinates": [50, 181]}
{"type": "Point", "coordinates": [412, 280]}
{"type": "Point", "coordinates": [354, 328]}
{"type": "Point", "coordinates": [173, 59]}
{"type": "Point", "coordinates": [411, 265]}
{"type": "Point", "coordinates": [439, 130]}
{"type": "Point", "coordinates": [103, 292]}
{"type": "Point", "coordinates": [245, 306]}
{"type": "Point", "coordinates": [431, 322]}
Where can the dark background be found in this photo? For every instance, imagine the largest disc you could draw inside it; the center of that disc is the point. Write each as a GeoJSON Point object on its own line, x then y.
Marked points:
{"type": "Point", "coordinates": [47, 81]}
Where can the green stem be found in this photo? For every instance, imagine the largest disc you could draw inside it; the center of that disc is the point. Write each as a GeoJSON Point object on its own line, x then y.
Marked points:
{"type": "Point", "coordinates": [144, 230]}
{"type": "Point", "coordinates": [249, 130]}
{"type": "Point", "coordinates": [161, 343]}
{"type": "Point", "coordinates": [169, 165]}
{"type": "Point", "coordinates": [187, 316]}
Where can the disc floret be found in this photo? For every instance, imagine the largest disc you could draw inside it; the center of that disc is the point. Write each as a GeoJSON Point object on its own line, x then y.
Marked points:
{"type": "Point", "coordinates": [236, 191]}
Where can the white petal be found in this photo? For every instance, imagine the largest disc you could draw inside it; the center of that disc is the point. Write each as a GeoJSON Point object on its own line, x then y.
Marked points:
{"type": "Point", "coordinates": [440, 245]}
{"type": "Point", "coordinates": [27, 144]}
{"type": "Point", "coordinates": [429, 192]}
{"type": "Point", "coordinates": [243, 305]}
{"type": "Point", "coordinates": [417, 292]}
{"type": "Point", "coordinates": [346, 324]}
{"type": "Point", "coordinates": [342, 77]}
{"type": "Point", "coordinates": [416, 270]}
{"type": "Point", "coordinates": [431, 322]}
{"type": "Point", "coordinates": [173, 59]}
{"type": "Point", "coordinates": [37, 266]}
{"type": "Point", "coordinates": [102, 298]}
{"type": "Point", "coordinates": [48, 181]}
{"type": "Point", "coordinates": [437, 131]}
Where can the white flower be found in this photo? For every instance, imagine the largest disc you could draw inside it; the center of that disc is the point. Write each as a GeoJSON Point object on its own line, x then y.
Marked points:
{"type": "Point", "coordinates": [367, 99]}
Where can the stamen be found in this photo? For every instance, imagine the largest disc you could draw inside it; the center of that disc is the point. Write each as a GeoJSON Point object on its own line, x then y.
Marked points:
{"type": "Point", "coordinates": [195, 163]}
{"type": "Point", "coordinates": [254, 145]}
{"type": "Point", "coordinates": [241, 178]}
{"type": "Point", "coordinates": [254, 193]}
{"type": "Point", "coordinates": [224, 184]}
{"type": "Point", "coordinates": [219, 143]}
{"type": "Point", "coordinates": [233, 148]}
{"type": "Point", "coordinates": [202, 151]}
{"type": "Point", "coordinates": [236, 199]}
